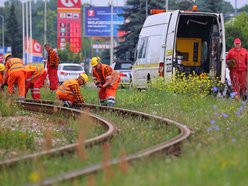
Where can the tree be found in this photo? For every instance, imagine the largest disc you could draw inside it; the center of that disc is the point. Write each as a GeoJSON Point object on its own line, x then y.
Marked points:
{"type": "Point", "coordinates": [210, 5]}
{"type": "Point", "coordinates": [227, 8]}
{"type": "Point", "coordinates": [237, 27]}
{"type": "Point", "coordinates": [67, 56]}
{"type": "Point", "coordinates": [38, 18]}
{"type": "Point", "coordinates": [134, 16]}
{"type": "Point", "coordinates": [243, 9]}
{"type": "Point", "coordinates": [13, 35]}
{"type": "Point", "coordinates": [184, 5]}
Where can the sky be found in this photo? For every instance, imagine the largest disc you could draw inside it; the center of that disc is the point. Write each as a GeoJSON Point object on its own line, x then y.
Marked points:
{"type": "Point", "coordinates": [240, 3]}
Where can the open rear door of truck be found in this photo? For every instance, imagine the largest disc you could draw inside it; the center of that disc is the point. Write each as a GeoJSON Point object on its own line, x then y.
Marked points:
{"type": "Point", "coordinates": [170, 44]}
{"type": "Point", "coordinates": [223, 45]}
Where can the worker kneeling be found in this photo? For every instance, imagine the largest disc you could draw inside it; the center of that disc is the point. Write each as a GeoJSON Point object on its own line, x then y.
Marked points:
{"type": "Point", "coordinates": [35, 80]}
{"type": "Point", "coordinates": [107, 80]}
{"type": "Point", "coordinates": [69, 91]}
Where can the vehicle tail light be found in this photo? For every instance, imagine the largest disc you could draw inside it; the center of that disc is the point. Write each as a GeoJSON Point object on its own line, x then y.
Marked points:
{"type": "Point", "coordinates": [63, 73]}
{"type": "Point", "coordinates": [123, 75]}
{"type": "Point", "coordinates": [161, 69]}
{"type": "Point", "coordinates": [156, 11]}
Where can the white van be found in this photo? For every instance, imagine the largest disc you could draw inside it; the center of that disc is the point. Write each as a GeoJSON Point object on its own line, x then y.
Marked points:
{"type": "Point", "coordinates": [180, 41]}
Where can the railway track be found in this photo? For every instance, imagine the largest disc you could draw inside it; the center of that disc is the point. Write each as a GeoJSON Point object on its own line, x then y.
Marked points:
{"type": "Point", "coordinates": [110, 130]}
{"type": "Point", "coordinates": [169, 147]}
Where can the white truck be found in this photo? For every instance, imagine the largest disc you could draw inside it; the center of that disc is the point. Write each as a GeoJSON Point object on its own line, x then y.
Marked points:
{"type": "Point", "coordinates": [180, 41]}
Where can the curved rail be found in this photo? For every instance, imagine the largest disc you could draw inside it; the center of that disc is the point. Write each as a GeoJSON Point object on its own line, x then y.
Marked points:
{"type": "Point", "coordinates": [110, 131]}
{"type": "Point", "coordinates": [172, 146]}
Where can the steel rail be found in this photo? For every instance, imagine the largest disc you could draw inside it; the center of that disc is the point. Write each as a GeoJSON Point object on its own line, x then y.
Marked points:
{"type": "Point", "coordinates": [111, 129]}
{"type": "Point", "coordinates": [172, 146]}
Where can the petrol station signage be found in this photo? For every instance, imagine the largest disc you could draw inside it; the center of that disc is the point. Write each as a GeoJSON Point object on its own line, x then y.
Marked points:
{"type": "Point", "coordinates": [69, 24]}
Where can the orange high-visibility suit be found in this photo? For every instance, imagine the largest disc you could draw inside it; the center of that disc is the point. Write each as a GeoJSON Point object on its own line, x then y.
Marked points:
{"type": "Point", "coordinates": [52, 69]}
{"type": "Point", "coordinates": [238, 71]}
{"type": "Point", "coordinates": [1, 77]}
{"type": "Point", "coordinates": [16, 74]}
{"type": "Point", "coordinates": [70, 91]}
{"type": "Point", "coordinates": [108, 93]}
{"type": "Point", "coordinates": [35, 79]}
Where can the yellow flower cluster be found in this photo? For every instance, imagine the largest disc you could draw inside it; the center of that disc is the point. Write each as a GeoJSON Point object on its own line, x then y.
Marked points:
{"type": "Point", "coordinates": [190, 84]}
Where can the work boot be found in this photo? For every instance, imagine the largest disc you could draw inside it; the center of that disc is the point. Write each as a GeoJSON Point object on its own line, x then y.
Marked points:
{"type": "Point", "coordinates": [67, 104]}
{"type": "Point", "coordinates": [111, 104]}
{"type": "Point", "coordinates": [21, 100]}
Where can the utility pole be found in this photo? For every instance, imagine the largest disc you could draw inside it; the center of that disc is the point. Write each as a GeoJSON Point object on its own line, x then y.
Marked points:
{"type": "Point", "coordinates": [166, 4]}
{"type": "Point", "coordinates": [146, 8]}
{"type": "Point", "coordinates": [27, 33]}
{"type": "Point", "coordinates": [23, 35]}
{"type": "Point", "coordinates": [31, 32]}
{"type": "Point", "coordinates": [112, 33]}
{"type": "Point", "coordinates": [2, 34]}
{"type": "Point", "coordinates": [235, 8]}
{"type": "Point", "coordinates": [45, 22]}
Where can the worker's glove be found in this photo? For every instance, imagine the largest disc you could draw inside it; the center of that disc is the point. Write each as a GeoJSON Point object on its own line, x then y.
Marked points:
{"type": "Point", "coordinates": [99, 86]}
{"type": "Point", "coordinates": [231, 63]}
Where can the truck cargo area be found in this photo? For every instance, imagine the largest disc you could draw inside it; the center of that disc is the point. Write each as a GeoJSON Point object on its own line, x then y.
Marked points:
{"type": "Point", "coordinates": [198, 44]}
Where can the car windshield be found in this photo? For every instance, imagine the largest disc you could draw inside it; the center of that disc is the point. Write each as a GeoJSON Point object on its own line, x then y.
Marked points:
{"type": "Point", "coordinates": [126, 66]}
{"type": "Point", "coordinates": [73, 68]}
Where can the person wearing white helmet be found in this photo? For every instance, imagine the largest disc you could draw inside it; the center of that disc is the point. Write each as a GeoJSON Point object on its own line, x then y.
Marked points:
{"type": "Point", "coordinates": [69, 91]}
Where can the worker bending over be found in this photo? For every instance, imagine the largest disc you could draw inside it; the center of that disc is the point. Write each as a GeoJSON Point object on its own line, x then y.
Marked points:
{"type": "Point", "coordinates": [107, 80]}
{"type": "Point", "coordinates": [69, 91]}
{"type": "Point", "coordinates": [35, 79]}
{"type": "Point", "coordinates": [1, 73]}
{"type": "Point", "coordinates": [15, 73]}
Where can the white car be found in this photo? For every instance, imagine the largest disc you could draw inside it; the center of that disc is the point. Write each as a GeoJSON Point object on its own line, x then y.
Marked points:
{"type": "Point", "coordinates": [69, 71]}
{"type": "Point", "coordinates": [124, 68]}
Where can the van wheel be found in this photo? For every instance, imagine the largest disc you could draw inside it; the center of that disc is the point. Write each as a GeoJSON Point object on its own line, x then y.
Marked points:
{"type": "Point", "coordinates": [148, 78]}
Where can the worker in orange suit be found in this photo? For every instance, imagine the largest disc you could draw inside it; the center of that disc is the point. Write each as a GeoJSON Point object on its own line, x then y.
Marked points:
{"type": "Point", "coordinates": [52, 67]}
{"type": "Point", "coordinates": [34, 80]}
{"type": "Point", "coordinates": [2, 67]}
{"type": "Point", "coordinates": [107, 80]}
{"type": "Point", "coordinates": [69, 91]}
{"type": "Point", "coordinates": [236, 60]}
{"type": "Point", "coordinates": [15, 73]}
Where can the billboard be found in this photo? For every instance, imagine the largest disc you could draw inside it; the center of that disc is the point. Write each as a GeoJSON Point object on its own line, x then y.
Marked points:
{"type": "Point", "coordinates": [2, 53]}
{"type": "Point", "coordinates": [36, 51]}
{"type": "Point", "coordinates": [98, 21]}
{"type": "Point", "coordinates": [69, 24]}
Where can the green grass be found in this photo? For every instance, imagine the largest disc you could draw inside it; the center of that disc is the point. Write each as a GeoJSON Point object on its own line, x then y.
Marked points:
{"type": "Point", "coordinates": [127, 140]}
{"type": "Point", "coordinates": [215, 154]}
